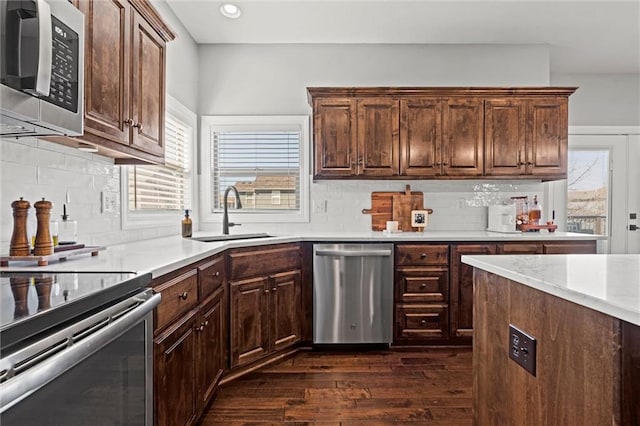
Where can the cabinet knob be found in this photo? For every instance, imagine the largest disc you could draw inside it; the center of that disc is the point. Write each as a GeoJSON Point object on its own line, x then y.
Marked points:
{"type": "Point", "coordinates": [423, 285]}
{"type": "Point", "coordinates": [217, 274]}
{"type": "Point", "coordinates": [128, 122]}
{"type": "Point", "coordinates": [206, 323]}
{"type": "Point", "coordinates": [274, 289]}
{"type": "Point", "coordinates": [138, 126]}
{"type": "Point", "coordinates": [445, 163]}
{"type": "Point", "coordinates": [266, 291]}
{"type": "Point", "coordinates": [423, 255]}
{"type": "Point", "coordinates": [200, 328]}
{"type": "Point", "coordinates": [184, 295]}
{"type": "Point", "coordinates": [423, 322]}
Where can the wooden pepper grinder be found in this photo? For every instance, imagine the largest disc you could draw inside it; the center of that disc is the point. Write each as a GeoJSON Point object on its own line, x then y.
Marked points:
{"type": "Point", "coordinates": [19, 239]}
{"type": "Point", "coordinates": [44, 243]}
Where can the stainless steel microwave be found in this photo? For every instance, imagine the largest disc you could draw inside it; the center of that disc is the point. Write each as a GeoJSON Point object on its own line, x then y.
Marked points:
{"type": "Point", "coordinates": [42, 68]}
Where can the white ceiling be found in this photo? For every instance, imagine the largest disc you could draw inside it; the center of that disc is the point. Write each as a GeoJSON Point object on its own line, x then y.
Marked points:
{"type": "Point", "coordinates": [583, 36]}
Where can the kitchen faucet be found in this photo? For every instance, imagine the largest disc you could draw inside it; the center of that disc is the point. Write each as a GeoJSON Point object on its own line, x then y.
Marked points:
{"type": "Point", "coordinates": [225, 217]}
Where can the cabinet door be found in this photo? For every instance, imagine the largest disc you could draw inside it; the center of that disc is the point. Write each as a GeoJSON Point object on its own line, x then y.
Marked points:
{"type": "Point", "coordinates": [462, 129]}
{"type": "Point", "coordinates": [421, 322]}
{"type": "Point", "coordinates": [422, 285]}
{"type": "Point", "coordinates": [148, 88]}
{"type": "Point", "coordinates": [107, 68]}
{"type": "Point", "coordinates": [249, 320]}
{"type": "Point", "coordinates": [420, 137]}
{"type": "Point", "coordinates": [335, 147]}
{"type": "Point", "coordinates": [212, 345]}
{"type": "Point", "coordinates": [285, 309]}
{"type": "Point", "coordinates": [174, 375]}
{"type": "Point", "coordinates": [547, 137]}
{"type": "Point", "coordinates": [378, 137]}
{"type": "Point", "coordinates": [504, 137]}
{"type": "Point", "coordinates": [462, 288]}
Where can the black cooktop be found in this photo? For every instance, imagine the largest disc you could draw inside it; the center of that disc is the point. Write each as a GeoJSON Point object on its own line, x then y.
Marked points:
{"type": "Point", "coordinates": [33, 302]}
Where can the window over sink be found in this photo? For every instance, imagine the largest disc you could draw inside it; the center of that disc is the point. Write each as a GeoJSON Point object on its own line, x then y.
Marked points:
{"type": "Point", "coordinates": [265, 157]}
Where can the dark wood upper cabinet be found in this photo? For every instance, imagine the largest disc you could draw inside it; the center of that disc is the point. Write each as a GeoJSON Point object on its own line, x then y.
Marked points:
{"type": "Point", "coordinates": [504, 137]}
{"type": "Point", "coordinates": [547, 137]}
{"type": "Point", "coordinates": [125, 76]}
{"type": "Point", "coordinates": [462, 137]}
{"type": "Point", "coordinates": [440, 132]}
{"type": "Point", "coordinates": [336, 149]}
{"type": "Point", "coordinates": [378, 137]}
{"type": "Point", "coordinates": [420, 136]}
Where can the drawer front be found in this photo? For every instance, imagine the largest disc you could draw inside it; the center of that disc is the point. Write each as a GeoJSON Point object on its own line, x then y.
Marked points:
{"type": "Point", "coordinates": [179, 295]}
{"type": "Point", "coordinates": [263, 261]}
{"type": "Point", "coordinates": [578, 247]}
{"type": "Point", "coordinates": [421, 322]}
{"type": "Point", "coordinates": [520, 248]}
{"type": "Point", "coordinates": [423, 285]}
{"type": "Point", "coordinates": [211, 276]}
{"type": "Point", "coordinates": [422, 254]}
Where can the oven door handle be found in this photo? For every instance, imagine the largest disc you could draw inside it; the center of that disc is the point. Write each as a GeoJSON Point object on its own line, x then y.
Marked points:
{"type": "Point", "coordinates": [62, 352]}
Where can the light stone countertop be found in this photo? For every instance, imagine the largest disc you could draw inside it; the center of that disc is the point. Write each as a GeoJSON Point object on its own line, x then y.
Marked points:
{"type": "Point", "coordinates": [606, 283]}
{"type": "Point", "coordinates": [163, 255]}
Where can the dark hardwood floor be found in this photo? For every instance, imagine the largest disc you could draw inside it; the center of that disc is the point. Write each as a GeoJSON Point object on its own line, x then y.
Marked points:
{"type": "Point", "coordinates": [431, 387]}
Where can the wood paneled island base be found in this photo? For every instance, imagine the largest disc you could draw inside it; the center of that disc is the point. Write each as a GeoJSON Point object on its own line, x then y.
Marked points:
{"type": "Point", "coordinates": [588, 363]}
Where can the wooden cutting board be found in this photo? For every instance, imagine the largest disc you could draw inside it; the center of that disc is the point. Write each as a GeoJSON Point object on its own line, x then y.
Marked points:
{"type": "Point", "coordinates": [403, 203]}
{"type": "Point", "coordinates": [382, 208]}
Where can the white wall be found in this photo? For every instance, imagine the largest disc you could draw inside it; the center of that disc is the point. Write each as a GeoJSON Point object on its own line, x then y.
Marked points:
{"type": "Point", "coordinates": [34, 169]}
{"type": "Point", "coordinates": [272, 79]}
{"type": "Point", "coordinates": [602, 99]}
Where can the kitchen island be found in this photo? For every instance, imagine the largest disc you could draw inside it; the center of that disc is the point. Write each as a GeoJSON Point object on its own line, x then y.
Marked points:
{"type": "Point", "coordinates": [583, 312]}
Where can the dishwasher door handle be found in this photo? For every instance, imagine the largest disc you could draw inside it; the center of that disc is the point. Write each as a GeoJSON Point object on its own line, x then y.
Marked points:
{"type": "Point", "coordinates": [354, 253]}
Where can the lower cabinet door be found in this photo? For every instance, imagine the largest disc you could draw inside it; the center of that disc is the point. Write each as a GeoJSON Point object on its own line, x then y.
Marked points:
{"type": "Point", "coordinates": [285, 309]}
{"type": "Point", "coordinates": [249, 320]}
{"type": "Point", "coordinates": [174, 354]}
{"type": "Point", "coordinates": [212, 344]}
{"type": "Point", "coordinates": [421, 322]}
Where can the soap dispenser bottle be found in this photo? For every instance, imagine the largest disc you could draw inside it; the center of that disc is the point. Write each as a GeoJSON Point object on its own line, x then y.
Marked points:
{"type": "Point", "coordinates": [186, 225]}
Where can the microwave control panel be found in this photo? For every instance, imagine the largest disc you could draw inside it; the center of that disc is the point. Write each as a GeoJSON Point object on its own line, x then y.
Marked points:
{"type": "Point", "coordinates": [63, 91]}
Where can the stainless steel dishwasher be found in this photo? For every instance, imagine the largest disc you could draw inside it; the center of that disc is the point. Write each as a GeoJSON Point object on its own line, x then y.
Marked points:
{"type": "Point", "coordinates": [352, 293]}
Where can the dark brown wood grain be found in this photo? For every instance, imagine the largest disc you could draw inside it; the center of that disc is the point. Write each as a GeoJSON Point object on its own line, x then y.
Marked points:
{"type": "Point", "coordinates": [211, 276]}
{"type": "Point", "coordinates": [421, 137]}
{"type": "Point", "coordinates": [378, 137]}
{"type": "Point", "coordinates": [547, 136]}
{"type": "Point", "coordinates": [520, 248]}
{"type": "Point", "coordinates": [504, 136]}
{"type": "Point", "coordinates": [174, 379]}
{"type": "Point", "coordinates": [334, 137]}
{"type": "Point", "coordinates": [570, 247]}
{"type": "Point", "coordinates": [284, 310]}
{"type": "Point", "coordinates": [249, 326]}
{"type": "Point", "coordinates": [462, 132]}
{"type": "Point", "coordinates": [421, 92]}
{"type": "Point", "coordinates": [306, 293]}
{"type": "Point", "coordinates": [382, 207]}
{"type": "Point", "coordinates": [461, 291]}
{"type": "Point", "coordinates": [212, 334]}
{"type": "Point", "coordinates": [422, 285]}
{"type": "Point", "coordinates": [630, 372]}
{"type": "Point", "coordinates": [578, 359]}
{"type": "Point", "coordinates": [263, 260]}
{"type": "Point", "coordinates": [355, 388]}
{"type": "Point", "coordinates": [419, 322]}
{"type": "Point", "coordinates": [422, 254]}
{"type": "Point", "coordinates": [179, 295]}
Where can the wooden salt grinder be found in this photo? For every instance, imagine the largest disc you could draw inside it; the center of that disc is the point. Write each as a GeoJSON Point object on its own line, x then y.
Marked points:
{"type": "Point", "coordinates": [44, 244]}
{"type": "Point", "coordinates": [19, 239]}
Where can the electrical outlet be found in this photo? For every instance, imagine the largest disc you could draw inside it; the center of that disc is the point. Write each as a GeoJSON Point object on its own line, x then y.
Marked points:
{"type": "Point", "coordinates": [108, 202]}
{"type": "Point", "coordinates": [522, 349]}
{"type": "Point", "coordinates": [320, 206]}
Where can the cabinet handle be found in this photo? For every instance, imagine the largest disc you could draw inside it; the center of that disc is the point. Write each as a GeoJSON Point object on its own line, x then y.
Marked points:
{"type": "Point", "coordinates": [423, 256]}
{"type": "Point", "coordinates": [445, 163]}
{"type": "Point", "coordinates": [184, 295]}
{"type": "Point", "coordinates": [217, 274]}
{"type": "Point", "coordinates": [423, 285]}
{"type": "Point", "coordinates": [529, 163]}
{"type": "Point", "coordinates": [423, 322]}
{"type": "Point", "coordinates": [360, 161]}
{"type": "Point", "coordinates": [266, 291]}
{"type": "Point", "coordinates": [274, 289]}
{"type": "Point", "coordinates": [138, 126]}
{"type": "Point", "coordinates": [128, 122]}
{"type": "Point", "coordinates": [206, 323]}
{"type": "Point", "coordinates": [200, 328]}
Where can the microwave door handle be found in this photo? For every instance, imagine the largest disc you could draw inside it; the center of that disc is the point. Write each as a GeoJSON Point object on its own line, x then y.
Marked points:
{"type": "Point", "coordinates": [39, 374]}
{"type": "Point", "coordinates": [45, 48]}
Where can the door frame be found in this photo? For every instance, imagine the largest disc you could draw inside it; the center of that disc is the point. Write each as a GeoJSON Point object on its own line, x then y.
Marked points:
{"type": "Point", "coordinates": [620, 240]}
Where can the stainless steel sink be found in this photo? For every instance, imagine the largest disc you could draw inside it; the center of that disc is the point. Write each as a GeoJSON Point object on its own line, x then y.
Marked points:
{"type": "Point", "coordinates": [218, 238]}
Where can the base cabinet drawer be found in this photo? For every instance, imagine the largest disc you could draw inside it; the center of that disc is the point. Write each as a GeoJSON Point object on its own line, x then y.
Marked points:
{"type": "Point", "coordinates": [422, 285]}
{"type": "Point", "coordinates": [421, 322]}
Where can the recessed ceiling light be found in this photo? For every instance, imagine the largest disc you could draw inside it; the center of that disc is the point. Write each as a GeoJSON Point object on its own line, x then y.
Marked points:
{"type": "Point", "coordinates": [230, 10]}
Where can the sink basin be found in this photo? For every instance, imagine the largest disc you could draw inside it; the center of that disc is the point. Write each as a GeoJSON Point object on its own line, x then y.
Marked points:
{"type": "Point", "coordinates": [218, 238]}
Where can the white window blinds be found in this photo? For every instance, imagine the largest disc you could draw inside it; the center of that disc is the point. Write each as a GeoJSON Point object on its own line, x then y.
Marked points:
{"type": "Point", "coordinates": [164, 188]}
{"type": "Point", "coordinates": [264, 166]}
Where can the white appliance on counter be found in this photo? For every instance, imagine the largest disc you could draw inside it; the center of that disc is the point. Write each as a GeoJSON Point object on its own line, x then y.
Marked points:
{"type": "Point", "coordinates": [502, 218]}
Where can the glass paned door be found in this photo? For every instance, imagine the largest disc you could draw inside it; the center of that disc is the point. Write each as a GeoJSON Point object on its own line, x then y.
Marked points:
{"type": "Point", "coordinates": [588, 191]}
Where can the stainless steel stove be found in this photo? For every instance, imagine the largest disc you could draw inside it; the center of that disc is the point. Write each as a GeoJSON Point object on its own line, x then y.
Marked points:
{"type": "Point", "coordinates": [75, 348]}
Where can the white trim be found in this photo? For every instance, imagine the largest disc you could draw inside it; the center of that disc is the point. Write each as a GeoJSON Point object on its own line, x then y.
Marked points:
{"type": "Point", "coordinates": [136, 220]}
{"type": "Point", "coordinates": [241, 122]}
{"type": "Point", "coordinates": [604, 130]}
